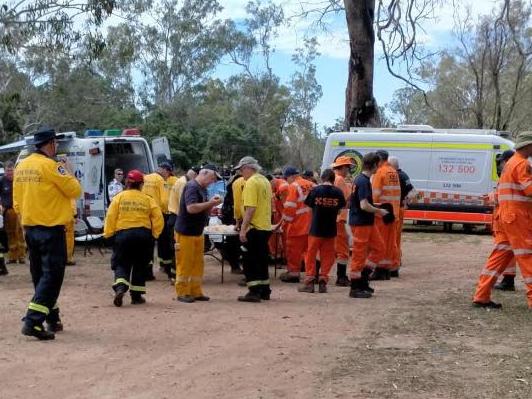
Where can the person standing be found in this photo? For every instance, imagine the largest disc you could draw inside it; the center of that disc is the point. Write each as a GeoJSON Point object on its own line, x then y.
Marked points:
{"type": "Point", "coordinates": [116, 186]}
{"type": "Point", "coordinates": [342, 167]}
{"type": "Point", "coordinates": [133, 220]}
{"type": "Point", "coordinates": [326, 201]}
{"type": "Point", "coordinates": [70, 239]}
{"type": "Point", "coordinates": [407, 191]}
{"type": "Point", "coordinates": [386, 190]}
{"type": "Point", "coordinates": [255, 230]}
{"type": "Point", "coordinates": [368, 246]}
{"type": "Point", "coordinates": [296, 220]}
{"type": "Point", "coordinates": [193, 216]}
{"type": "Point", "coordinates": [15, 237]}
{"type": "Point", "coordinates": [43, 190]}
{"type": "Point", "coordinates": [514, 219]}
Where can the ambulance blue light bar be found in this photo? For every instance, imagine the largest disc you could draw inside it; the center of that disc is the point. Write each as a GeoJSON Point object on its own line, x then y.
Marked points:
{"type": "Point", "coordinates": [93, 133]}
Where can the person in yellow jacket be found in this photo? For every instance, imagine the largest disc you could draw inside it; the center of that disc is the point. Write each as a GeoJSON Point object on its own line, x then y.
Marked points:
{"type": "Point", "coordinates": [154, 186]}
{"type": "Point", "coordinates": [42, 193]}
{"type": "Point", "coordinates": [133, 220]}
{"type": "Point", "coordinates": [69, 230]}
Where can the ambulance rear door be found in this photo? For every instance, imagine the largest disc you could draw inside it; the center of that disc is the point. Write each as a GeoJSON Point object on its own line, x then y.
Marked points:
{"type": "Point", "coordinates": [160, 150]}
{"type": "Point", "coordinates": [87, 156]}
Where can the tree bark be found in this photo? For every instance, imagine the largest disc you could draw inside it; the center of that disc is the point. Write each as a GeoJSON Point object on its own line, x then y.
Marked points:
{"type": "Point", "coordinates": [360, 105]}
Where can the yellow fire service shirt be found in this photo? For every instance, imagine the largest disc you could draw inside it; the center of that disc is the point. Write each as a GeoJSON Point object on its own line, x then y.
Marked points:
{"type": "Point", "coordinates": [132, 209]}
{"type": "Point", "coordinates": [238, 207]}
{"type": "Point", "coordinates": [154, 187]}
{"type": "Point", "coordinates": [258, 194]}
{"type": "Point", "coordinates": [43, 191]}
{"type": "Point", "coordinates": [175, 195]}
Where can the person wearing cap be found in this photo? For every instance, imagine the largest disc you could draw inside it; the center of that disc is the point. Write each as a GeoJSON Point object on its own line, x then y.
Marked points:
{"type": "Point", "coordinates": [368, 245]}
{"type": "Point", "coordinates": [326, 201]}
{"type": "Point", "coordinates": [154, 186]}
{"type": "Point", "coordinates": [508, 276]}
{"type": "Point", "coordinates": [17, 247]}
{"type": "Point", "coordinates": [279, 191]}
{"type": "Point", "coordinates": [193, 216]}
{"type": "Point", "coordinates": [342, 166]}
{"type": "Point", "coordinates": [173, 208]}
{"type": "Point", "coordinates": [134, 221]}
{"type": "Point", "coordinates": [42, 193]}
{"type": "Point", "coordinates": [514, 224]}
{"type": "Point", "coordinates": [407, 192]}
{"type": "Point", "coordinates": [297, 217]}
{"type": "Point", "coordinates": [116, 185]}
{"type": "Point", "coordinates": [255, 230]}
{"type": "Point", "coordinates": [386, 190]}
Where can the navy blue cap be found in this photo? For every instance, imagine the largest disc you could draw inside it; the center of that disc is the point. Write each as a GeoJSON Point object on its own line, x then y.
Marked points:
{"type": "Point", "coordinates": [166, 165]}
{"type": "Point", "coordinates": [290, 171]}
{"type": "Point", "coordinates": [506, 155]}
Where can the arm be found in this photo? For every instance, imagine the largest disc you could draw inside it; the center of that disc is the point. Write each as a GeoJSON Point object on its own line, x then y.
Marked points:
{"type": "Point", "coordinates": [17, 195]}
{"type": "Point", "coordinates": [366, 206]}
{"type": "Point", "coordinates": [248, 215]}
{"type": "Point", "coordinates": [65, 182]}
{"type": "Point", "coordinates": [109, 227]}
{"type": "Point", "coordinates": [199, 207]}
{"type": "Point", "coordinates": [157, 220]}
{"type": "Point", "coordinates": [524, 177]}
{"type": "Point", "coordinates": [290, 205]}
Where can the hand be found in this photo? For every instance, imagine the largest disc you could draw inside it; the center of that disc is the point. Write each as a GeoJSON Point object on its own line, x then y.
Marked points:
{"type": "Point", "coordinates": [216, 200]}
{"type": "Point", "coordinates": [242, 236]}
{"type": "Point", "coordinates": [383, 212]}
{"type": "Point", "coordinates": [237, 225]}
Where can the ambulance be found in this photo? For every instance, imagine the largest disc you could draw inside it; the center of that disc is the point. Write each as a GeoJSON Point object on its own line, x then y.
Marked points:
{"type": "Point", "coordinates": [452, 170]}
{"type": "Point", "coordinates": [96, 154]}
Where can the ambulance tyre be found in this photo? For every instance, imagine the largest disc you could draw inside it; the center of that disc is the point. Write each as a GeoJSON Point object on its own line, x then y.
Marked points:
{"type": "Point", "coordinates": [447, 227]}
{"type": "Point", "coordinates": [468, 228]}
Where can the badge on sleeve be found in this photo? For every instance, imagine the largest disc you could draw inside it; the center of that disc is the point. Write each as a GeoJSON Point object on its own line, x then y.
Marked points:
{"type": "Point", "coordinates": [61, 170]}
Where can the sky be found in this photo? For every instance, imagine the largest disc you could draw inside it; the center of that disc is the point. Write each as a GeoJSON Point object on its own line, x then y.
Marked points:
{"type": "Point", "coordinates": [334, 49]}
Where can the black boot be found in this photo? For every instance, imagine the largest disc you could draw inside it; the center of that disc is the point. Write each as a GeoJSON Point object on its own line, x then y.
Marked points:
{"type": "Point", "coordinates": [37, 331]}
{"type": "Point", "coordinates": [253, 295]}
{"type": "Point", "coordinates": [137, 298]}
{"type": "Point", "coordinates": [120, 291]}
{"type": "Point", "coordinates": [341, 275]}
{"type": "Point", "coordinates": [53, 321]}
{"type": "Point", "coordinates": [265, 292]}
{"type": "Point", "coordinates": [3, 268]}
{"type": "Point", "coordinates": [364, 281]}
{"type": "Point", "coordinates": [358, 290]}
{"type": "Point", "coordinates": [380, 273]}
{"type": "Point", "coordinates": [394, 273]}
{"type": "Point", "coordinates": [507, 284]}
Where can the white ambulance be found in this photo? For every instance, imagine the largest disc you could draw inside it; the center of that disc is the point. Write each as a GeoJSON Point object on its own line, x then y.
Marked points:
{"type": "Point", "coordinates": [96, 155]}
{"type": "Point", "coordinates": [453, 170]}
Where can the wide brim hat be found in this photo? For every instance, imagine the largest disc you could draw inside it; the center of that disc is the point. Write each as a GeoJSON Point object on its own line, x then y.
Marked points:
{"type": "Point", "coordinates": [343, 161]}
{"type": "Point", "coordinates": [246, 161]}
{"type": "Point", "coordinates": [523, 139]}
{"type": "Point", "coordinates": [43, 135]}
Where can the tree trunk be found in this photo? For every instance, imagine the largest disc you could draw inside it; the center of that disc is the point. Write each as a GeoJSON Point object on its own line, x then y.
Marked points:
{"type": "Point", "coordinates": [360, 106]}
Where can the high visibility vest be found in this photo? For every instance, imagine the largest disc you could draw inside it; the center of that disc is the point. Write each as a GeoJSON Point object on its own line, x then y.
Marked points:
{"type": "Point", "coordinates": [386, 187]}
{"type": "Point", "coordinates": [514, 191]}
{"type": "Point", "coordinates": [296, 214]}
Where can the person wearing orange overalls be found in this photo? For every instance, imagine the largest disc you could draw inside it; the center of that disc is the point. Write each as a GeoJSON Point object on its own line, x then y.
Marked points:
{"type": "Point", "coordinates": [368, 246]}
{"type": "Point", "coordinates": [514, 235]}
{"type": "Point", "coordinates": [296, 221]}
{"type": "Point", "coordinates": [508, 276]}
{"type": "Point", "coordinates": [279, 191]}
{"type": "Point", "coordinates": [387, 190]}
{"type": "Point", "coordinates": [326, 201]}
{"type": "Point", "coordinates": [342, 166]}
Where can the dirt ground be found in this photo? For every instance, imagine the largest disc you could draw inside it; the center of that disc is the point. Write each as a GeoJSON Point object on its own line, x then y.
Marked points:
{"type": "Point", "coordinates": [418, 337]}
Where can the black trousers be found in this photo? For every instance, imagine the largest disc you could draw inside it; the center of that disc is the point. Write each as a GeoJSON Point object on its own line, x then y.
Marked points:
{"type": "Point", "coordinates": [133, 249]}
{"type": "Point", "coordinates": [230, 250]}
{"type": "Point", "coordinates": [255, 260]}
{"type": "Point", "coordinates": [165, 247]}
{"type": "Point", "coordinates": [48, 255]}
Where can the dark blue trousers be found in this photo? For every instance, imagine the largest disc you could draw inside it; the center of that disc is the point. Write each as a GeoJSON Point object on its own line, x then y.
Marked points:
{"type": "Point", "coordinates": [48, 255]}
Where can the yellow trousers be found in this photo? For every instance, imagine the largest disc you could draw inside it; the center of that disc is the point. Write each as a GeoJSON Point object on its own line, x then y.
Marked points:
{"type": "Point", "coordinates": [69, 231]}
{"type": "Point", "coordinates": [189, 266]}
{"type": "Point", "coordinates": [15, 236]}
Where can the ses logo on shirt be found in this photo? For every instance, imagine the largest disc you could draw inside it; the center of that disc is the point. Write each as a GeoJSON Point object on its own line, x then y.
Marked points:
{"type": "Point", "coordinates": [357, 159]}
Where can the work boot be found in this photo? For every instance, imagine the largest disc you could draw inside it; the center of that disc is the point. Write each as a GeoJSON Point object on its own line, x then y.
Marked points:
{"type": "Point", "coordinates": [322, 286]}
{"type": "Point", "coordinates": [250, 297]}
{"type": "Point", "coordinates": [202, 298]}
{"type": "Point", "coordinates": [341, 275]}
{"type": "Point", "coordinates": [265, 292]}
{"type": "Point", "coordinates": [11, 261]}
{"type": "Point", "coordinates": [394, 273]}
{"type": "Point", "coordinates": [22, 261]}
{"type": "Point", "coordinates": [37, 331]}
{"type": "Point", "coordinates": [289, 277]}
{"type": "Point", "coordinates": [380, 274]}
{"type": "Point", "coordinates": [137, 299]}
{"type": "Point", "coordinates": [186, 299]}
{"type": "Point", "coordinates": [307, 287]}
{"type": "Point", "coordinates": [54, 326]}
{"type": "Point", "coordinates": [236, 270]}
{"type": "Point", "coordinates": [70, 263]}
{"type": "Point", "coordinates": [120, 291]}
{"type": "Point", "coordinates": [358, 290]}
{"type": "Point", "coordinates": [507, 284]}
{"type": "Point", "coordinates": [487, 305]}
{"type": "Point", "coordinates": [364, 281]}
{"type": "Point", "coordinates": [3, 268]}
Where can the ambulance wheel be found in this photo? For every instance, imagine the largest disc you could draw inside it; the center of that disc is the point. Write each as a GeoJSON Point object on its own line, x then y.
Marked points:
{"type": "Point", "coordinates": [447, 227]}
{"type": "Point", "coordinates": [468, 228]}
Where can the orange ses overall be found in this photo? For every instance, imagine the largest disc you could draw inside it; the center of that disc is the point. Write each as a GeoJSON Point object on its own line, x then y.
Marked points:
{"type": "Point", "coordinates": [514, 235]}
{"type": "Point", "coordinates": [386, 189]}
